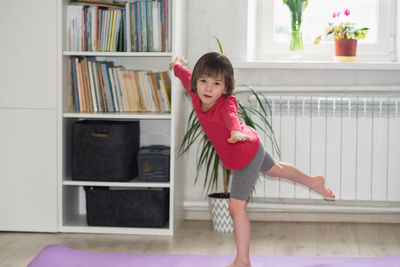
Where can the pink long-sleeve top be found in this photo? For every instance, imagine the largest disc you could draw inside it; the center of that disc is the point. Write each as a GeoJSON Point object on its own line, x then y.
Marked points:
{"type": "Point", "coordinates": [218, 122]}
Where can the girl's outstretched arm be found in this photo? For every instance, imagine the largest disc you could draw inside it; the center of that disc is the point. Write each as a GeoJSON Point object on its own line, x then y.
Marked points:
{"type": "Point", "coordinates": [181, 72]}
{"type": "Point", "coordinates": [178, 60]}
{"type": "Point", "coordinates": [232, 123]}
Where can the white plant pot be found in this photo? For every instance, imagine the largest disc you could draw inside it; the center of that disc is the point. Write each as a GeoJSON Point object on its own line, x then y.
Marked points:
{"type": "Point", "coordinates": [221, 218]}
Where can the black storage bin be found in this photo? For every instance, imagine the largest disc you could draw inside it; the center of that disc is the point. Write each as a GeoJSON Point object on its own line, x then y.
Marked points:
{"type": "Point", "coordinates": [105, 150]}
{"type": "Point", "coordinates": [154, 163]}
{"type": "Point", "coordinates": [127, 207]}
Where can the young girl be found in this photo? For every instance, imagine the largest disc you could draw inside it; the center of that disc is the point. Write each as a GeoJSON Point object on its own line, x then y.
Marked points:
{"type": "Point", "coordinates": [238, 146]}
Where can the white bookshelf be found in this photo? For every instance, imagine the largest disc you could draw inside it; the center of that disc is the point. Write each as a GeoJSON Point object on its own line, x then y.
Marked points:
{"type": "Point", "coordinates": [71, 198]}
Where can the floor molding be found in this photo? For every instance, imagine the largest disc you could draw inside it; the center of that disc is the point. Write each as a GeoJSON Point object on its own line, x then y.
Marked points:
{"type": "Point", "coordinates": [289, 210]}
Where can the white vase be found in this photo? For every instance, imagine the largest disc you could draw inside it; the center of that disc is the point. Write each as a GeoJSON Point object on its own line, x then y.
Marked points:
{"type": "Point", "coordinates": [221, 218]}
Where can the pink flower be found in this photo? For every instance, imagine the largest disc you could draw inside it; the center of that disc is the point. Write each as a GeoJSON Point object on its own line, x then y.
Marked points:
{"type": "Point", "coordinates": [334, 15]}
{"type": "Point", "coordinates": [330, 23]}
{"type": "Point", "coordinates": [338, 14]}
{"type": "Point", "coordinates": [347, 12]}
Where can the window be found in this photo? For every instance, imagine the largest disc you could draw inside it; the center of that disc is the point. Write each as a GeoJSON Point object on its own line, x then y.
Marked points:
{"type": "Point", "coordinates": [273, 28]}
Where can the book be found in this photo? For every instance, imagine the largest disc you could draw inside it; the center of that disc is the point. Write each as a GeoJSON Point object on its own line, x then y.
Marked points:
{"type": "Point", "coordinates": [113, 90]}
{"type": "Point", "coordinates": [93, 30]}
{"type": "Point", "coordinates": [118, 89]}
{"type": "Point", "coordinates": [99, 94]}
{"type": "Point", "coordinates": [146, 97]}
{"type": "Point", "coordinates": [144, 18]}
{"type": "Point", "coordinates": [80, 86]}
{"type": "Point", "coordinates": [118, 18]}
{"type": "Point", "coordinates": [73, 76]}
{"type": "Point", "coordinates": [122, 79]}
{"type": "Point", "coordinates": [154, 86]}
{"type": "Point", "coordinates": [92, 87]}
{"type": "Point", "coordinates": [107, 30]}
{"type": "Point", "coordinates": [156, 26]}
{"type": "Point", "coordinates": [128, 26]}
{"type": "Point", "coordinates": [150, 91]}
{"type": "Point", "coordinates": [129, 91]}
{"type": "Point", "coordinates": [102, 88]}
{"type": "Point", "coordinates": [107, 87]}
{"type": "Point", "coordinates": [139, 91]}
{"type": "Point", "coordinates": [165, 88]}
{"type": "Point", "coordinates": [86, 89]}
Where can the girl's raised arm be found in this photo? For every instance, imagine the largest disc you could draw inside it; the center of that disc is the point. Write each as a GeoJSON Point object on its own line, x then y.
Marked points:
{"type": "Point", "coordinates": [181, 72]}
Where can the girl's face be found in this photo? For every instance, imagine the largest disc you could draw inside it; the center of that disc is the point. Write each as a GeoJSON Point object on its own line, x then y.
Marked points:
{"type": "Point", "coordinates": [209, 90]}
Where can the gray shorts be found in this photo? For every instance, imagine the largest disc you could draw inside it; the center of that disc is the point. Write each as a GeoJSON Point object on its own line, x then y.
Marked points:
{"type": "Point", "coordinates": [243, 180]}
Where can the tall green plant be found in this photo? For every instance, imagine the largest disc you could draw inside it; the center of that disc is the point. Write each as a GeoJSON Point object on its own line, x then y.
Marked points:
{"type": "Point", "coordinates": [207, 157]}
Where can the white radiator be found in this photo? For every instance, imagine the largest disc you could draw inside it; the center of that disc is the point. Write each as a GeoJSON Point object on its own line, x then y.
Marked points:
{"type": "Point", "coordinates": [354, 141]}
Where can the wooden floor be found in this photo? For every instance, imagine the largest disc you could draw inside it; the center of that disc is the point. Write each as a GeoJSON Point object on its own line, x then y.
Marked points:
{"type": "Point", "coordinates": [197, 237]}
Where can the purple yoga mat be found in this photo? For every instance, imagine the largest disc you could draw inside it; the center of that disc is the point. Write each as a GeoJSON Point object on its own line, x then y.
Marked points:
{"type": "Point", "coordinates": [61, 256]}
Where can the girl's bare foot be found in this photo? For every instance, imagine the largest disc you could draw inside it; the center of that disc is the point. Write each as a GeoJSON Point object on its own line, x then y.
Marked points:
{"type": "Point", "coordinates": [238, 263]}
{"type": "Point", "coordinates": [318, 185]}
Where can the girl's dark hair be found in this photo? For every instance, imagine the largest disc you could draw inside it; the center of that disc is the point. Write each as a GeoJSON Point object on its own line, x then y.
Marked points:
{"type": "Point", "coordinates": [214, 65]}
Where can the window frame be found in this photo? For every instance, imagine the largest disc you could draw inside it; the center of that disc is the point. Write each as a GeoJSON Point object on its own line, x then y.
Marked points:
{"type": "Point", "coordinates": [266, 49]}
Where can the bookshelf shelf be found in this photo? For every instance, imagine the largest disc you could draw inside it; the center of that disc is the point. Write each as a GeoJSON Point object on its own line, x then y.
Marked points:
{"type": "Point", "coordinates": [117, 184]}
{"type": "Point", "coordinates": [78, 224]}
{"type": "Point", "coordinates": [120, 115]}
{"type": "Point", "coordinates": [117, 54]}
{"type": "Point", "coordinates": [156, 128]}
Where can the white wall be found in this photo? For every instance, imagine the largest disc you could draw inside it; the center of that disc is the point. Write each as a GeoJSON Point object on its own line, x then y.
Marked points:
{"type": "Point", "coordinates": [226, 19]}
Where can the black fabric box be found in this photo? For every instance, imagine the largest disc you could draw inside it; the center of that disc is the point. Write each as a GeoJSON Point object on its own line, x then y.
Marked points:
{"type": "Point", "coordinates": [105, 150]}
{"type": "Point", "coordinates": [123, 207]}
{"type": "Point", "coordinates": [154, 163]}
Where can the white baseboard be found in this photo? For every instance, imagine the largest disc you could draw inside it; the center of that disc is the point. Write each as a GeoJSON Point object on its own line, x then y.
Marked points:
{"type": "Point", "coordinates": [308, 211]}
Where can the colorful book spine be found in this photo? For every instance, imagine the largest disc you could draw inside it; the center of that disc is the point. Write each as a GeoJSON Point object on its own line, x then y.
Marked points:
{"type": "Point", "coordinates": [95, 28]}
{"type": "Point", "coordinates": [147, 26]}
{"type": "Point", "coordinates": [98, 86]}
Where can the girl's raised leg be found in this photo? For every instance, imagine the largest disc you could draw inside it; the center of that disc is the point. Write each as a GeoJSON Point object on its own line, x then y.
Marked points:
{"type": "Point", "coordinates": [290, 172]}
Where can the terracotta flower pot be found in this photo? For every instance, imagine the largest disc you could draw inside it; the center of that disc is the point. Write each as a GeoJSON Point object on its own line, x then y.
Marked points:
{"type": "Point", "coordinates": [345, 49]}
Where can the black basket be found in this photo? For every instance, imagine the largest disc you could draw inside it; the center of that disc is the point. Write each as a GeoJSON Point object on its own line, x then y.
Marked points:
{"type": "Point", "coordinates": [154, 163]}
{"type": "Point", "coordinates": [127, 207]}
{"type": "Point", "coordinates": [105, 150]}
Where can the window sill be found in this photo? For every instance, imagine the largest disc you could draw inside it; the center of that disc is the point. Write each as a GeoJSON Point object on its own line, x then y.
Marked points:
{"type": "Point", "coordinates": [305, 64]}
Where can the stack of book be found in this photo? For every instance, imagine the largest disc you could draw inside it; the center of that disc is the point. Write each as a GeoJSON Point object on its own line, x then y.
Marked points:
{"type": "Point", "coordinates": [147, 26]}
{"type": "Point", "coordinates": [95, 28]}
{"type": "Point", "coordinates": [138, 26]}
{"type": "Point", "coordinates": [98, 86]}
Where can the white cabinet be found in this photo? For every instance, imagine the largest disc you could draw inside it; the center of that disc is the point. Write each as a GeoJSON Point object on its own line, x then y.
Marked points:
{"type": "Point", "coordinates": [156, 128]}
{"type": "Point", "coordinates": [28, 52]}
{"type": "Point", "coordinates": [28, 184]}
{"type": "Point", "coordinates": [28, 116]}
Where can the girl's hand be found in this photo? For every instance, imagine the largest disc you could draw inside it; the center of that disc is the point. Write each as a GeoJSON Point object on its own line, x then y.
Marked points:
{"type": "Point", "coordinates": [178, 60]}
{"type": "Point", "coordinates": [238, 136]}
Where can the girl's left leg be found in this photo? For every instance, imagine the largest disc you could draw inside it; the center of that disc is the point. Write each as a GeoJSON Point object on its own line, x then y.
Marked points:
{"type": "Point", "coordinates": [241, 224]}
{"type": "Point", "coordinates": [243, 182]}
{"type": "Point", "coordinates": [290, 172]}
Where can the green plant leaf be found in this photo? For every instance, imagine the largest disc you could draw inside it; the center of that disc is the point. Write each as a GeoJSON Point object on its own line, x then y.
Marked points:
{"type": "Point", "coordinates": [219, 45]}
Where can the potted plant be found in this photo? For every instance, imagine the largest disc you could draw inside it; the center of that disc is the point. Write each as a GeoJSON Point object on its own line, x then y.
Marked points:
{"type": "Point", "coordinates": [296, 8]}
{"type": "Point", "coordinates": [345, 35]}
{"type": "Point", "coordinates": [257, 118]}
